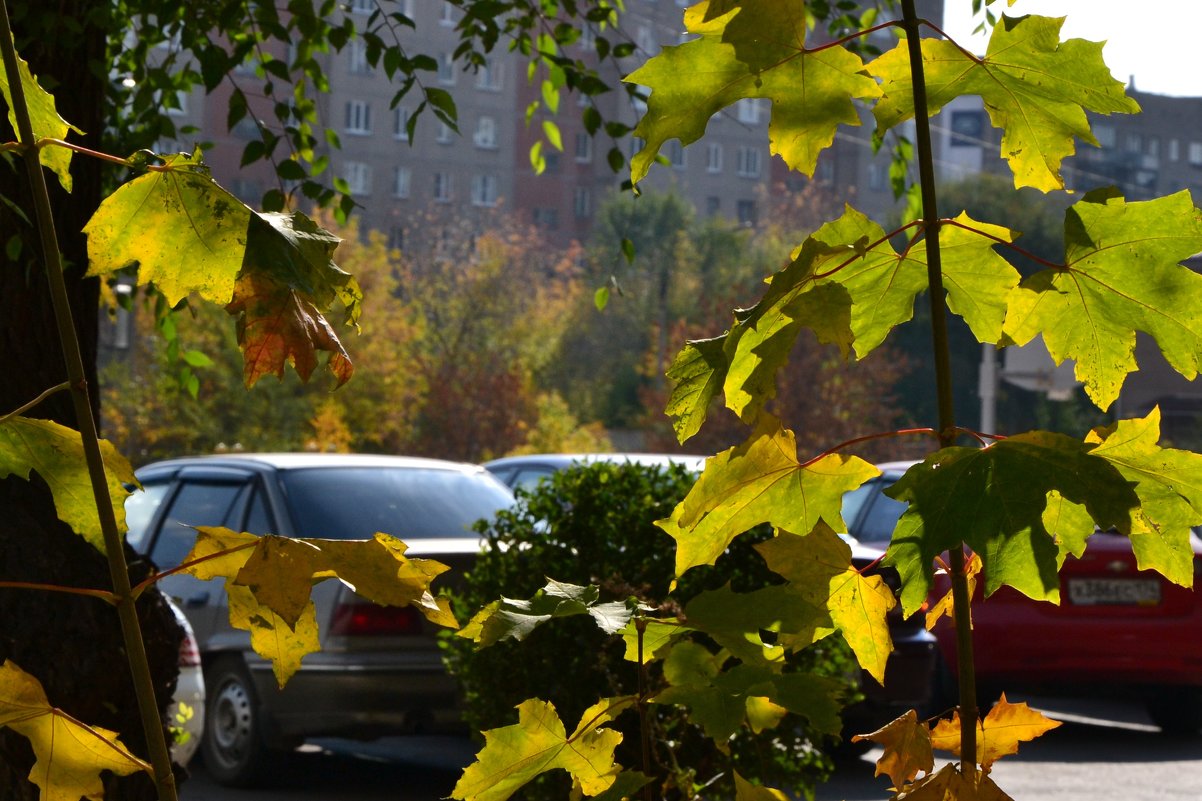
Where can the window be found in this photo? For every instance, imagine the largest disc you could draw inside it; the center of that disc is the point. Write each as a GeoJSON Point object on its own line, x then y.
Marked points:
{"type": "Point", "coordinates": [445, 135]}
{"type": "Point", "coordinates": [446, 17]}
{"type": "Point", "coordinates": [584, 148]}
{"type": "Point", "coordinates": [582, 202]}
{"type": "Point", "coordinates": [588, 37]}
{"type": "Point", "coordinates": [485, 137]}
{"type": "Point", "coordinates": [552, 162]}
{"type": "Point", "coordinates": [358, 117]}
{"type": "Point", "coordinates": [1104, 133]}
{"type": "Point", "coordinates": [407, 8]}
{"type": "Point", "coordinates": [400, 123]}
{"type": "Point", "coordinates": [139, 511]}
{"type": "Point", "coordinates": [747, 111]}
{"type": "Point", "coordinates": [745, 211]}
{"type": "Point", "coordinates": [443, 187]}
{"type": "Point", "coordinates": [488, 76]}
{"type": "Point", "coordinates": [546, 218]}
{"type": "Point", "coordinates": [1154, 146]}
{"type": "Point", "coordinates": [1174, 150]}
{"type": "Point", "coordinates": [1135, 143]}
{"type": "Point", "coordinates": [878, 176]}
{"type": "Point", "coordinates": [749, 162]}
{"type": "Point", "coordinates": [446, 69]}
{"type": "Point", "coordinates": [713, 157]}
{"type": "Point", "coordinates": [484, 190]}
{"type": "Point", "coordinates": [196, 504]}
{"type": "Point", "coordinates": [676, 154]}
{"type": "Point", "coordinates": [713, 205]}
{"type": "Point", "coordinates": [825, 173]}
{"type": "Point", "coordinates": [645, 40]}
{"type": "Point", "coordinates": [1195, 154]}
{"type": "Point", "coordinates": [357, 53]}
{"type": "Point", "coordinates": [358, 177]}
{"type": "Point", "coordinates": [401, 178]}
{"type": "Point", "coordinates": [396, 238]}
{"type": "Point", "coordinates": [968, 129]}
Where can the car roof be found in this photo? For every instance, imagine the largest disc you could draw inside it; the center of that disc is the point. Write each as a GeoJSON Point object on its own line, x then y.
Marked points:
{"type": "Point", "coordinates": [560, 461]}
{"type": "Point", "coordinates": [295, 461]}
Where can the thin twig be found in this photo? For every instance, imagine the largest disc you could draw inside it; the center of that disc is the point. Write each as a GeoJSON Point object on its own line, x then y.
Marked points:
{"type": "Point", "coordinates": [903, 432]}
{"type": "Point", "coordinates": [103, 595]}
{"type": "Point", "coordinates": [26, 407]}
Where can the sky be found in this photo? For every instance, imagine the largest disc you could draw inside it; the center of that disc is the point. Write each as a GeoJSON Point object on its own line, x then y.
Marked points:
{"type": "Point", "coordinates": [1157, 41]}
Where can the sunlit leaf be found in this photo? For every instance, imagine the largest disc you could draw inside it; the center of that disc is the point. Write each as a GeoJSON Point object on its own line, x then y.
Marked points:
{"type": "Point", "coordinates": [656, 635]}
{"type": "Point", "coordinates": [70, 755]}
{"type": "Point", "coordinates": [43, 118]}
{"type": "Point", "coordinates": [515, 619]}
{"type": "Point", "coordinates": [55, 453]}
{"type": "Point", "coordinates": [753, 50]}
{"type": "Point", "coordinates": [946, 606]}
{"type": "Point", "coordinates": [907, 744]}
{"type": "Point", "coordinates": [998, 734]}
{"type": "Point", "coordinates": [858, 604]}
{"type": "Point", "coordinates": [1035, 88]}
{"type": "Point", "coordinates": [735, 620]}
{"type": "Point", "coordinates": [949, 784]}
{"type": "Point", "coordinates": [537, 743]}
{"type": "Point", "coordinates": [746, 791]}
{"type": "Point", "coordinates": [1122, 274]}
{"type": "Point", "coordinates": [760, 481]}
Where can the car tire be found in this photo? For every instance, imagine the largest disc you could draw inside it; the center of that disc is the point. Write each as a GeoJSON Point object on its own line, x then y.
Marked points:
{"type": "Point", "coordinates": [232, 747]}
{"type": "Point", "coordinates": [1177, 711]}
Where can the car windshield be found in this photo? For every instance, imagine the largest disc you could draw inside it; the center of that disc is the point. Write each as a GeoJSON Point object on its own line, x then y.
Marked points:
{"type": "Point", "coordinates": [410, 503]}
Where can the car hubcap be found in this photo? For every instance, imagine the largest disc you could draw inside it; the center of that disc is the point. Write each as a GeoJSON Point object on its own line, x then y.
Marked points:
{"type": "Point", "coordinates": [231, 727]}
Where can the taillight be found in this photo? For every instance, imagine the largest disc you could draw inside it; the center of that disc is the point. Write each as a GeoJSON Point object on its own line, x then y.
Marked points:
{"type": "Point", "coordinates": [189, 653]}
{"type": "Point", "coordinates": [370, 620]}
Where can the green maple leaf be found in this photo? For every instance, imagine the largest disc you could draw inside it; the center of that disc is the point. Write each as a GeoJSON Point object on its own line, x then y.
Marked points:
{"type": "Point", "coordinates": [993, 499]}
{"type": "Point", "coordinates": [722, 702]}
{"type": "Point", "coordinates": [1035, 88]}
{"type": "Point", "coordinates": [1122, 274]}
{"type": "Point", "coordinates": [537, 743]}
{"type": "Point", "coordinates": [1169, 485]}
{"type": "Point", "coordinates": [43, 118]}
{"type": "Point", "coordinates": [821, 561]}
{"type": "Point", "coordinates": [55, 453]}
{"type": "Point", "coordinates": [735, 621]}
{"type": "Point", "coordinates": [657, 635]}
{"type": "Point", "coordinates": [509, 618]}
{"type": "Point", "coordinates": [760, 481]}
{"type": "Point", "coordinates": [848, 284]}
{"type": "Point", "coordinates": [185, 232]}
{"type": "Point", "coordinates": [754, 49]}
{"type": "Point", "coordinates": [70, 756]}
{"type": "Point", "coordinates": [268, 580]}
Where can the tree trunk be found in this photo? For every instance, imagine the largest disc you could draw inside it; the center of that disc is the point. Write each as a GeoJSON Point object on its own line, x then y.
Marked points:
{"type": "Point", "coordinates": [71, 644]}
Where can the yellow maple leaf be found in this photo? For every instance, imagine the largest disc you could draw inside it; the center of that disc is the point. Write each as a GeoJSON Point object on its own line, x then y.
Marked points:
{"type": "Point", "coordinates": [746, 791]}
{"type": "Point", "coordinates": [998, 734]}
{"type": "Point", "coordinates": [907, 744]}
{"type": "Point", "coordinates": [946, 606]}
{"type": "Point", "coordinates": [70, 755]}
{"type": "Point", "coordinates": [949, 784]}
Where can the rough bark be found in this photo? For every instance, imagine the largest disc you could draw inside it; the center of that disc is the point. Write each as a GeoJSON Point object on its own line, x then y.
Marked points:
{"type": "Point", "coordinates": [71, 644]}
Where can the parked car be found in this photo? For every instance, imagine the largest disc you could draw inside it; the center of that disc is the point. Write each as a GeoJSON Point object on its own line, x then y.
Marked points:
{"type": "Point", "coordinates": [910, 671]}
{"type": "Point", "coordinates": [379, 671]}
{"type": "Point", "coordinates": [1118, 632]}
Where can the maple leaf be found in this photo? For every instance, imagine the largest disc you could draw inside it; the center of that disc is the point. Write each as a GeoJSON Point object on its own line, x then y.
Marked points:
{"type": "Point", "coordinates": [656, 635]}
{"type": "Point", "coordinates": [753, 50]}
{"type": "Point", "coordinates": [70, 756]}
{"type": "Point", "coordinates": [44, 120]}
{"type": "Point", "coordinates": [1035, 88]}
{"type": "Point", "coordinates": [735, 620]}
{"type": "Point", "coordinates": [907, 744]}
{"type": "Point", "coordinates": [848, 284]}
{"type": "Point", "coordinates": [537, 743]}
{"type": "Point", "coordinates": [998, 735]}
{"type": "Point", "coordinates": [949, 784]}
{"type": "Point", "coordinates": [55, 453]}
{"type": "Point", "coordinates": [858, 604]}
{"type": "Point", "coordinates": [509, 618]}
{"type": "Point", "coordinates": [746, 791]}
{"type": "Point", "coordinates": [1122, 274]}
{"type": "Point", "coordinates": [946, 606]}
{"type": "Point", "coordinates": [1169, 485]}
{"type": "Point", "coordinates": [760, 481]}
{"type": "Point", "coordinates": [185, 232]}
{"type": "Point", "coordinates": [993, 500]}
{"type": "Point", "coordinates": [752, 695]}
{"type": "Point", "coordinates": [268, 580]}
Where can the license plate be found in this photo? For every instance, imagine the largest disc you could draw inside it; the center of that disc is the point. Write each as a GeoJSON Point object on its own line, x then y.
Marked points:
{"type": "Point", "coordinates": [1114, 592]}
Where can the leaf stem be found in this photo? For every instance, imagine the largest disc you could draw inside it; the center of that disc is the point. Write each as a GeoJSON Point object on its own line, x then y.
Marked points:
{"type": "Point", "coordinates": [103, 595]}
{"type": "Point", "coordinates": [956, 44]}
{"type": "Point", "coordinates": [943, 379]}
{"type": "Point", "coordinates": [902, 432]}
{"type": "Point", "coordinates": [181, 568]}
{"type": "Point", "coordinates": [1050, 264]}
{"type": "Point", "coordinates": [640, 627]}
{"type": "Point", "coordinates": [877, 243]}
{"type": "Point", "coordinates": [96, 154]}
{"type": "Point", "coordinates": [131, 630]}
{"type": "Point", "coordinates": [26, 407]}
{"type": "Point", "coordinates": [851, 36]}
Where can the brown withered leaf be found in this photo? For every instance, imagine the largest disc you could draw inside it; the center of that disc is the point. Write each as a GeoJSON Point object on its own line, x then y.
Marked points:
{"type": "Point", "coordinates": [907, 744]}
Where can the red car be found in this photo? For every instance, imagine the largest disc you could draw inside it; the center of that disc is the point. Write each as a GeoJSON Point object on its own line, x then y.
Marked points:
{"type": "Point", "coordinates": [1118, 631]}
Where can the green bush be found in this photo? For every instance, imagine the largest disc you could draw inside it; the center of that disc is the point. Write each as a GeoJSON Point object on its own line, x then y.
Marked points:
{"type": "Point", "coordinates": [595, 525]}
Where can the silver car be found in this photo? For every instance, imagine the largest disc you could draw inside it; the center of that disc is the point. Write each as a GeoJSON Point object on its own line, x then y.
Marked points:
{"type": "Point", "coordinates": [379, 671]}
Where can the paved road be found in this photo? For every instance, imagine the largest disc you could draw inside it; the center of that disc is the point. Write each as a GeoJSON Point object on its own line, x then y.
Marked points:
{"type": "Point", "coordinates": [1104, 752]}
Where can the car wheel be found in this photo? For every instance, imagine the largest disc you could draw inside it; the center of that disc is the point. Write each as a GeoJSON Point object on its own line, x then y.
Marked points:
{"type": "Point", "coordinates": [1177, 711]}
{"type": "Point", "coordinates": [232, 746]}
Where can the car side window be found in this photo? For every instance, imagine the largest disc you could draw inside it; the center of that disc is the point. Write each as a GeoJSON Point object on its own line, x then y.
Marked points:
{"type": "Point", "coordinates": [258, 516]}
{"type": "Point", "coordinates": [140, 507]}
{"type": "Point", "coordinates": [528, 478]}
{"type": "Point", "coordinates": [880, 518]}
{"type": "Point", "coordinates": [196, 504]}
